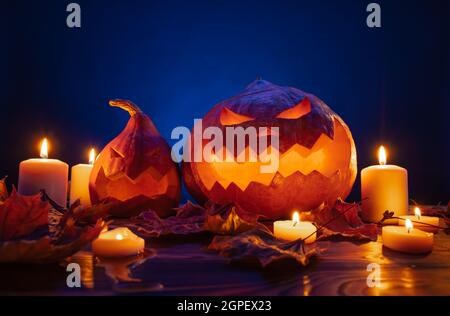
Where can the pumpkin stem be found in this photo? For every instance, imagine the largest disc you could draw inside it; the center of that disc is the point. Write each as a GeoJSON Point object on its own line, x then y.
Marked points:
{"type": "Point", "coordinates": [126, 105]}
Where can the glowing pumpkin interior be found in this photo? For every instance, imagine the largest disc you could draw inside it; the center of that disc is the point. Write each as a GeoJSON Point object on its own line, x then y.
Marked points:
{"type": "Point", "coordinates": [228, 118]}
{"type": "Point", "coordinates": [297, 111]}
{"type": "Point", "coordinates": [149, 183]}
{"type": "Point", "coordinates": [327, 157]}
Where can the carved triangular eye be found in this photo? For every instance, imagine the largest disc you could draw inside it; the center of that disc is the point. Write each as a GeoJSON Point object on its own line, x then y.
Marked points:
{"type": "Point", "coordinates": [228, 117]}
{"type": "Point", "coordinates": [296, 112]}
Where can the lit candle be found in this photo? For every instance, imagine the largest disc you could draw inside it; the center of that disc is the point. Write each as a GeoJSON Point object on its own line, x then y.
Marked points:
{"type": "Point", "coordinates": [407, 239]}
{"type": "Point", "coordinates": [420, 222]}
{"type": "Point", "coordinates": [119, 242]}
{"type": "Point", "coordinates": [383, 187]}
{"type": "Point", "coordinates": [44, 174]}
{"type": "Point", "coordinates": [79, 184]}
{"type": "Point", "coordinates": [294, 229]}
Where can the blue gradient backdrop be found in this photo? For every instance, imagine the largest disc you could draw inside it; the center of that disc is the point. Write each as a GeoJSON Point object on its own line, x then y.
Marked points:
{"type": "Point", "coordinates": [176, 59]}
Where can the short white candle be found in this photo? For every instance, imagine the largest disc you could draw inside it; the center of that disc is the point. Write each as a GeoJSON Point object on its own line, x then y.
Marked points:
{"type": "Point", "coordinates": [420, 222]}
{"type": "Point", "coordinates": [119, 242]}
{"type": "Point", "coordinates": [44, 174]}
{"type": "Point", "coordinates": [294, 229]}
{"type": "Point", "coordinates": [407, 239]}
{"type": "Point", "coordinates": [383, 187]}
{"type": "Point", "coordinates": [79, 184]}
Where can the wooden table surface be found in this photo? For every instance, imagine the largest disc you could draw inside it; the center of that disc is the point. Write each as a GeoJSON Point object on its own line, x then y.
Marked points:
{"type": "Point", "coordinates": [183, 266]}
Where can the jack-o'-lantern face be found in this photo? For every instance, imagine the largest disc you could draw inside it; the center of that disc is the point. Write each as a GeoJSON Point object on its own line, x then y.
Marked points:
{"type": "Point", "coordinates": [316, 152]}
{"type": "Point", "coordinates": [136, 168]}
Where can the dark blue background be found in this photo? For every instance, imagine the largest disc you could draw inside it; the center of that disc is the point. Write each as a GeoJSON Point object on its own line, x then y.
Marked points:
{"type": "Point", "coordinates": [176, 59]}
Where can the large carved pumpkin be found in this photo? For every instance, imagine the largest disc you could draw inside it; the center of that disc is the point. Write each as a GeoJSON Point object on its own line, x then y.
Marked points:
{"type": "Point", "coordinates": [136, 168]}
{"type": "Point", "coordinates": [317, 155]}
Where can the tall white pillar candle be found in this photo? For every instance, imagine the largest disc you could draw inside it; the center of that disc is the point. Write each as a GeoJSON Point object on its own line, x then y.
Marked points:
{"type": "Point", "coordinates": [79, 183]}
{"type": "Point", "coordinates": [44, 174]}
{"type": "Point", "coordinates": [383, 187]}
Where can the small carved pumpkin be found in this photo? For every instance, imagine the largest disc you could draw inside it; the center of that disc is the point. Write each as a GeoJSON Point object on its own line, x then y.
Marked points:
{"type": "Point", "coordinates": [136, 168]}
{"type": "Point", "coordinates": [317, 155]}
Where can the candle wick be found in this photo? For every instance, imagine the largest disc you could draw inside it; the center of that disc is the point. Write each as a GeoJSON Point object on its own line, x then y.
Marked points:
{"type": "Point", "coordinates": [295, 223]}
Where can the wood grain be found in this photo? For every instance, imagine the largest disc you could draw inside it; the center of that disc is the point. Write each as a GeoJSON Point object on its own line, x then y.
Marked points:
{"type": "Point", "coordinates": [182, 266]}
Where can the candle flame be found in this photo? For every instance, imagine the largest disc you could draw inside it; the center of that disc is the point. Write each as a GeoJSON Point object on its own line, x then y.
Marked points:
{"type": "Point", "coordinates": [44, 149]}
{"type": "Point", "coordinates": [382, 155]}
{"type": "Point", "coordinates": [296, 218]}
{"type": "Point", "coordinates": [119, 237]}
{"type": "Point", "coordinates": [92, 156]}
{"type": "Point", "coordinates": [409, 225]}
{"type": "Point", "coordinates": [417, 212]}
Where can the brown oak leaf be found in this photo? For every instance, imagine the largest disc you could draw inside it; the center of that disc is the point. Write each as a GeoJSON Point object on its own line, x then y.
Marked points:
{"type": "Point", "coordinates": [437, 211]}
{"type": "Point", "coordinates": [189, 219]}
{"type": "Point", "coordinates": [137, 205]}
{"type": "Point", "coordinates": [229, 220]}
{"type": "Point", "coordinates": [32, 230]}
{"type": "Point", "coordinates": [46, 249]}
{"type": "Point", "coordinates": [22, 215]}
{"type": "Point", "coordinates": [262, 246]}
{"type": "Point", "coordinates": [342, 220]}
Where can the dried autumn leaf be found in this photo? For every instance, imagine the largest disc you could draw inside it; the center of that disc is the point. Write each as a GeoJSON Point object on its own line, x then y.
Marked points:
{"type": "Point", "coordinates": [437, 211]}
{"type": "Point", "coordinates": [189, 220]}
{"type": "Point", "coordinates": [387, 215]}
{"type": "Point", "coordinates": [31, 230]}
{"type": "Point", "coordinates": [45, 249]}
{"type": "Point", "coordinates": [228, 220]}
{"type": "Point", "coordinates": [78, 214]}
{"type": "Point", "coordinates": [22, 215]}
{"type": "Point", "coordinates": [342, 220]}
{"type": "Point", "coordinates": [262, 246]}
{"type": "Point", "coordinates": [90, 214]}
{"type": "Point", "coordinates": [190, 209]}
{"type": "Point", "coordinates": [137, 205]}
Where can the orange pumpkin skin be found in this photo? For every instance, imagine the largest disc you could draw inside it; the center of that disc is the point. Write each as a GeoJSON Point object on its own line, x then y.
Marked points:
{"type": "Point", "coordinates": [136, 168]}
{"type": "Point", "coordinates": [316, 149]}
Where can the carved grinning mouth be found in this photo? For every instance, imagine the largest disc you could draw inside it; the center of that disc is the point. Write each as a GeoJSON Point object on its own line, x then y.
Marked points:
{"type": "Point", "coordinates": [158, 183]}
{"type": "Point", "coordinates": [327, 157]}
